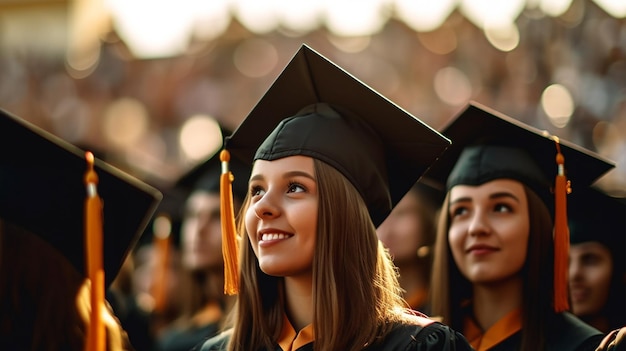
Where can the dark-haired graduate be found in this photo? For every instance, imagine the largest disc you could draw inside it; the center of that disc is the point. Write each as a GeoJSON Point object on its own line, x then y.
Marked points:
{"type": "Point", "coordinates": [500, 270]}
{"type": "Point", "coordinates": [597, 268]}
{"type": "Point", "coordinates": [201, 289]}
{"type": "Point", "coordinates": [331, 159]}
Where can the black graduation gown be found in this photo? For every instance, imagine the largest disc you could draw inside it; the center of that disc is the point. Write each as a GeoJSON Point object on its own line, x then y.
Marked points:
{"type": "Point", "coordinates": [566, 333]}
{"type": "Point", "coordinates": [177, 339]}
{"type": "Point", "coordinates": [403, 337]}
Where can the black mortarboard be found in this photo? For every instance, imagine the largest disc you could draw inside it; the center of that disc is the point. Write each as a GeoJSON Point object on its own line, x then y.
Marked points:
{"type": "Point", "coordinates": [315, 108]}
{"type": "Point", "coordinates": [206, 176]}
{"type": "Point", "coordinates": [488, 145]}
{"type": "Point", "coordinates": [171, 208]}
{"type": "Point", "coordinates": [43, 191]}
{"type": "Point", "coordinates": [594, 215]}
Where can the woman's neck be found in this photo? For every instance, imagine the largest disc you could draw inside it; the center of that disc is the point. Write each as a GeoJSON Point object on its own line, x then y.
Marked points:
{"type": "Point", "coordinates": [491, 302]}
{"type": "Point", "coordinates": [299, 301]}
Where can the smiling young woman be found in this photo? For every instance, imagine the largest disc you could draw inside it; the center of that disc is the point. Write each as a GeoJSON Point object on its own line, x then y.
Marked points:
{"type": "Point", "coordinates": [331, 159]}
{"type": "Point", "coordinates": [495, 275]}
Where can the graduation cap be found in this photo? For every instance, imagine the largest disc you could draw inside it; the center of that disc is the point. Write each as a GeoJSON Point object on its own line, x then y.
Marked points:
{"type": "Point", "coordinates": [43, 191]}
{"type": "Point", "coordinates": [206, 177]}
{"type": "Point", "coordinates": [594, 215]}
{"type": "Point", "coordinates": [489, 145]}
{"type": "Point", "coordinates": [315, 108]}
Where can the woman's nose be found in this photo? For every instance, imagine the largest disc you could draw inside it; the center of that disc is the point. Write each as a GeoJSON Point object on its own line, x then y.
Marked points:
{"type": "Point", "coordinates": [479, 224]}
{"type": "Point", "coordinates": [266, 207]}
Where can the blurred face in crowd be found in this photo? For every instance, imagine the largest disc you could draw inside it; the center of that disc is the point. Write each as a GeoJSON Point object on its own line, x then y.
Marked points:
{"type": "Point", "coordinates": [489, 230]}
{"type": "Point", "coordinates": [402, 231]}
{"type": "Point", "coordinates": [590, 271]}
{"type": "Point", "coordinates": [202, 232]}
{"type": "Point", "coordinates": [145, 278]}
{"type": "Point", "coordinates": [281, 220]}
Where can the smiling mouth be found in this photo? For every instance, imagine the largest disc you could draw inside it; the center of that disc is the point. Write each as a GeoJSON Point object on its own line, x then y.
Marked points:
{"type": "Point", "coordinates": [274, 236]}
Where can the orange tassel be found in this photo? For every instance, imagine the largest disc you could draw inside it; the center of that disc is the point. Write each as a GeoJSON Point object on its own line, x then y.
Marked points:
{"type": "Point", "coordinates": [230, 244]}
{"type": "Point", "coordinates": [93, 241]}
{"type": "Point", "coordinates": [561, 235]}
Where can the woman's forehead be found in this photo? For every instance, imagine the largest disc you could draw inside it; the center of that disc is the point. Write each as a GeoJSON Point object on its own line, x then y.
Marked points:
{"type": "Point", "coordinates": [290, 164]}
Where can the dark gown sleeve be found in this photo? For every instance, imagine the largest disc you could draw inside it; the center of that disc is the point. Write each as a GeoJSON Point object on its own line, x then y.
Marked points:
{"type": "Point", "coordinates": [440, 337]}
{"type": "Point", "coordinates": [435, 336]}
{"type": "Point", "coordinates": [403, 337]}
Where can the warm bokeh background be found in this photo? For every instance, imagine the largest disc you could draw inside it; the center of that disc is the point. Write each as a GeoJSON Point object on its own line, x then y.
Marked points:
{"type": "Point", "coordinates": [143, 82]}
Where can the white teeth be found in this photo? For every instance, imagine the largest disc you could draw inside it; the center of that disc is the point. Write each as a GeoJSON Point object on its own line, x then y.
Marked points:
{"type": "Point", "coordinates": [273, 236]}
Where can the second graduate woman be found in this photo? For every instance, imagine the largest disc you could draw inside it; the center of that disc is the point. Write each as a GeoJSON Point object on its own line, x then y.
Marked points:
{"type": "Point", "coordinates": [494, 274]}
{"type": "Point", "coordinates": [331, 159]}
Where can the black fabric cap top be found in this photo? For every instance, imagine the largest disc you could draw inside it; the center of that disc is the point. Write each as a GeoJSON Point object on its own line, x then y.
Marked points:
{"type": "Point", "coordinates": [595, 216]}
{"type": "Point", "coordinates": [206, 176]}
{"type": "Point", "coordinates": [487, 145]}
{"type": "Point", "coordinates": [317, 109]}
{"type": "Point", "coordinates": [42, 190]}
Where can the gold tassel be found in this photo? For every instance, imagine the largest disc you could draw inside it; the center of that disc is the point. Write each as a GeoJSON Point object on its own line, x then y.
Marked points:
{"type": "Point", "coordinates": [561, 235]}
{"type": "Point", "coordinates": [230, 244]}
{"type": "Point", "coordinates": [93, 241]}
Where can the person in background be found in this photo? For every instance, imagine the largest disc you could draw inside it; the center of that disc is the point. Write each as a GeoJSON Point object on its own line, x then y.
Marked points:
{"type": "Point", "coordinates": [499, 276]}
{"type": "Point", "coordinates": [201, 291]}
{"type": "Point", "coordinates": [597, 272]}
{"type": "Point", "coordinates": [331, 159]}
{"type": "Point", "coordinates": [409, 234]}
{"type": "Point", "coordinates": [155, 277]}
{"type": "Point", "coordinates": [47, 237]}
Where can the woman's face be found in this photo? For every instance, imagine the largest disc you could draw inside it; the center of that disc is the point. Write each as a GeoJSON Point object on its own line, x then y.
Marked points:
{"type": "Point", "coordinates": [281, 220]}
{"type": "Point", "coordinates": [489, 229]}
{"type": "Point", "coordinates": [590, 271]}
{"type": "Point", "coordinates": [202, 232]}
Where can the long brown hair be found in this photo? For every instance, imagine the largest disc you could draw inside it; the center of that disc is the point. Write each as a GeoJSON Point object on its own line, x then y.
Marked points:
{"type": "Point", "coordinates": [353, 278]}
{"type": "Point", "coordinates": [450, 289]}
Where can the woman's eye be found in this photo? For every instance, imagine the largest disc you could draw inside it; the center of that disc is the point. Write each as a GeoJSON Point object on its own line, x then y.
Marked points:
{"type": "Point", "coordinates": [458, 211]}
{"type": "Point", "coordinates": [295, 188]}
{"type": "Point", "coordinates": [503, 208]}
{"type": "Point", "coordinates": [256, 190]}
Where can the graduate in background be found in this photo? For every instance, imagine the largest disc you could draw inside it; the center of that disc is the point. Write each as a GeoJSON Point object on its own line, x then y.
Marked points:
{"type": "Point", "coordinates": [499, 276]}
{"type": "Point", "coordinates": [51, 236]}
{"type": "Point", "coordinates": [409, 234]}
{"type": "Point", "coordinates": [597, 268]}
{"type": "Point", "coordinates": [331, 159]}
{"type": "Point", "coordinates": [204, 305]}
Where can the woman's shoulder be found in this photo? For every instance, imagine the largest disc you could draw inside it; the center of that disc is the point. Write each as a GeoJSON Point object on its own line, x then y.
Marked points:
{"type": "Point", "coordinates": [422, 333]}
{"type": "Point", "coordinates": [217, 343]}
{"type": "Point", "coordinates": [570, 333]}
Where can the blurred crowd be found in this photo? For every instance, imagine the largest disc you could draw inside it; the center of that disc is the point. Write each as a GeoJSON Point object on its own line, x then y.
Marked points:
{"type": "Point", "coordinates": [132, 113]}
{"type": "Point", "coordinates": [134, 109]}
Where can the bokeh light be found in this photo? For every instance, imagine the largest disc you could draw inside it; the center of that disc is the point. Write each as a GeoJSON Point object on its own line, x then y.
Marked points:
{"type": "Point", "coordinates": [125, 121]}
{"type": "Point", "coordinates": [504, 38]}
{"type": "Point", "coordinates": [255, 58]}
{"type": "Point", "coordinates": [200, 137]}
{"type": "Point", "coordinates": [452, 86]}
{"type": "Point", "coordinates": [356, 18]}
{"type": "Point", "coordinates": [424, 15]}
{"type": "Point", "coordinates": [558, 104]}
